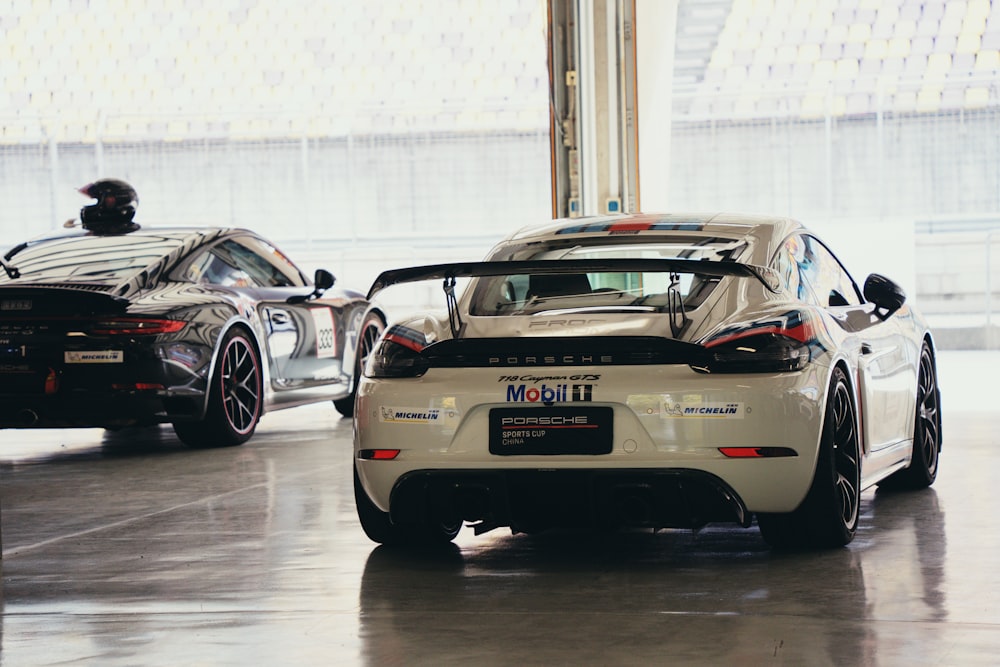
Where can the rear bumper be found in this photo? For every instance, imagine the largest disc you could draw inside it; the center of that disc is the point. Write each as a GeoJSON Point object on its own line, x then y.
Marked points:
{"type": "Point", "coordinates": [96, 409]}
{"type": "Point", "coordinates": [528, 500]}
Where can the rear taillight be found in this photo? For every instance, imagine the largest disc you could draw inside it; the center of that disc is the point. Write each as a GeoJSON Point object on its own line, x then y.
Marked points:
{"type": "Point", "coordinates": [132, 326]}
{"type": "Point", "coordinates": [783, 345]}
{"type": "Point", "coordinates": [398, 355]}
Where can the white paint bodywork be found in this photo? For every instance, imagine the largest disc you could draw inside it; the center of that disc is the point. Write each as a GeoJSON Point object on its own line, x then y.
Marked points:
{"type": "Point", "coordinates": [783, 409]}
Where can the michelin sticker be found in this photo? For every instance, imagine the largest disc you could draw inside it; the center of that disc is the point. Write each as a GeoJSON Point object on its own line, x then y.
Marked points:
{"type": "Point", "coordinates": [701, 410]}
{"type": "Point", "coordinates": [94, 357]}
{"type": "Point", "coordinates": [410, 415]}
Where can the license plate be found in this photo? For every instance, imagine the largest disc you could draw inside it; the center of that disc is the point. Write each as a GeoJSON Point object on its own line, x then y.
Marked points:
{"type": "Point", "coordinates": [553, 431]}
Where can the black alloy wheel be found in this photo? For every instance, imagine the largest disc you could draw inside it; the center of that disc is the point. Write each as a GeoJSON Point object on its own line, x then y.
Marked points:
{"type": "Point", "coordinates": [240, 386]}
{"type": "Point", "coordinates": [371, 330]}
{"type": "Point", "coordinates": [923, 467]}
{"type": "Point", "coordinates": [847, 461]}
{"type": "Point", "coordinates": [234, 402]}
{"type": "Point", "coordinates": [828, 517]}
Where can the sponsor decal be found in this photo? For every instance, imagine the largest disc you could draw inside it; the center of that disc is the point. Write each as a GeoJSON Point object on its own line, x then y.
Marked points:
{"type": "Point", "coordinates": [559, 393]}
{"type": "Point", "coordinates": [326, 333]}
{"type": "Point", "coordinates": [94, 356]}
{"type": "Point", "coordinates": [701, 410]}
{"type": "Point", "coordinates": [632, 227]}
{"type": "Point", "coordinates": [410, 415]}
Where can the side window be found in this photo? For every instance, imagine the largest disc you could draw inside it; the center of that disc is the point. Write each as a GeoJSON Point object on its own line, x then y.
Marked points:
{"type": "Point", "coordinates": [829, 281]}
{"type": "Point", "coordinates": [792, 262]}
{"type": "Point", "coordinates": [272, 264]}
{"type": "Point", "coordinates": [233, 264]}
{"type": "Point", "coordinates": [215, 268]}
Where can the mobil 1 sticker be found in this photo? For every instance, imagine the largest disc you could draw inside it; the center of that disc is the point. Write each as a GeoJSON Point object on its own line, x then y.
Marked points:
{"type": "Point", "coordinates": [551, 430]}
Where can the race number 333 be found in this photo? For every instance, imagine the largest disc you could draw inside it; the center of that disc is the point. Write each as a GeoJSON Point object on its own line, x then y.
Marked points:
{"type": "Point", "coordinates": [326, 333]}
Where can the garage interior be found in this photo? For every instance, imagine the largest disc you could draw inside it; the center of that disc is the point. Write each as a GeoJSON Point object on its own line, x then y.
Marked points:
{"type": "Point", "coordinates": [126, 548]}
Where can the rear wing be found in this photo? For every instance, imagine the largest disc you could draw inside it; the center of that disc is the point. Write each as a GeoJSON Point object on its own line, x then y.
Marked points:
{"type": "Point", "coordinates": [450, 272]}
{"type": "Point", "coordinates": [83, 300]}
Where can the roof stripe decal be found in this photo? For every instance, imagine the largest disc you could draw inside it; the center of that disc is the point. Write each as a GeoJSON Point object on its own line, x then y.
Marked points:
{"type": "Point", "coordinates": [626, 227]}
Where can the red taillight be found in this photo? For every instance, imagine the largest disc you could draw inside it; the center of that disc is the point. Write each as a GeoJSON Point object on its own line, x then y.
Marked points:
{"type": "Point", "coordinates": [802, 332]}
{"type": "Point", "coordinates": [378, 454]}
{"type": "Point", "coordinates": [407, 342]}
{"type": "Point", "coordinates": [51, 383]}
{"type": "Point", "coordinates": [757, 452]}
{"type": "Point", "coordinates": [138, 386]}
{"type": "Point", "coordinates": [784, 344]}
{"type": "Point", "coordinates": [132, 326]}
{"type": "Point", "coordinates": [399, 354]}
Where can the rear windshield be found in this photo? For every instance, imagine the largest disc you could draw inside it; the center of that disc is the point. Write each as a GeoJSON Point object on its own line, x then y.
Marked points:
{"type": "Point", "coordinates": [521, 294]}
{"type": "Point", "coordinates": [90, 259]}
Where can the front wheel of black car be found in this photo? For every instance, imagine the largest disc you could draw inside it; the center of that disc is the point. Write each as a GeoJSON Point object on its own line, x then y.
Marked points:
{"type": "Point", "coordinates": [234, 400]}
{"type": "Point", "coordinates": [371, 329]}
{"type": "Point", "coordinates": [923, 467]}
{"type": "Point", "coordinates": [380, 528]}
{"type": "Point", "coordinates": [828, 517]}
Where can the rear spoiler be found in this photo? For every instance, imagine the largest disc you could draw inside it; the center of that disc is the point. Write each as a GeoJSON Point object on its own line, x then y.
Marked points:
{"type": "Point", "coordinates": [449, 272]}
{"type": "Point", "coordinates": [33, 300]}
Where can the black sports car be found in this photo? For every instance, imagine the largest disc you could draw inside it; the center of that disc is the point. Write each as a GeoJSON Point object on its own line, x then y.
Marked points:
{"type": "Point", "coordinates": [204, 328]}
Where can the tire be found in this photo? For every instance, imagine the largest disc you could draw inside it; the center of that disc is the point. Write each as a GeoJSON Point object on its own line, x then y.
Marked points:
{"type": "Point", "coordinates": [828, 517]}
{"type": "Point", "coordinates": [923, 467]}
{"type": "Point", "coordinates": [371, 329]}
{"type": "Point", "coordinates": [234, 399]}
{"type": "Point", "coordinates": [378, 526]}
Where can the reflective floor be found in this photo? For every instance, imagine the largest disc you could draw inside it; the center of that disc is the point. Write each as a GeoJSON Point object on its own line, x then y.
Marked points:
{"type": "Point", "coordinates": [129, 549]}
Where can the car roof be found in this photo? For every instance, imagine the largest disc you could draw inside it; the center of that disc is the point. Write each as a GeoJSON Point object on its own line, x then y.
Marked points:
{"type": "Point", "coordinates": [178, 232]}
{"type": "Point", "coordinates": [761, 228]}
{"type": "Point", "coordinates": [113, 260]}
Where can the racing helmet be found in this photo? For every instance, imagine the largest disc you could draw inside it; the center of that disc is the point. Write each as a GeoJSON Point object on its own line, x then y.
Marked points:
{"type": "Point", "coordinates": [114, 209]}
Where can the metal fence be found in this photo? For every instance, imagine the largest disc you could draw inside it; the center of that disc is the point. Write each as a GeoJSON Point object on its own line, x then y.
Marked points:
{"type": "Point", "coordinates": [959, 282]}
{"type": "Point", "coordinates": [883, 160]}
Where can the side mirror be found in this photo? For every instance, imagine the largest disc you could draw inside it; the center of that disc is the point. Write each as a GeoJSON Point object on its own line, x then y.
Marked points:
{"type": "Point", "coordinates": [323, 281]}
{"type": "Point", "coordinates": [884, 293]}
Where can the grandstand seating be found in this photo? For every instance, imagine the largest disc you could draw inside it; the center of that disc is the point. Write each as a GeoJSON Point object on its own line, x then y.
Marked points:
{"type": "Point", "coordinates": [75, 71]}
{"type": "Point", "coordinates": [849, 57]}
{"type": "Point", "coordinates": [297, 65]}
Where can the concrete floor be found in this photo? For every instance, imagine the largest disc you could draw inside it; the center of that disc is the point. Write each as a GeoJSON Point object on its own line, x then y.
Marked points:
{"type": "Point", "coordinates": [129, 549]}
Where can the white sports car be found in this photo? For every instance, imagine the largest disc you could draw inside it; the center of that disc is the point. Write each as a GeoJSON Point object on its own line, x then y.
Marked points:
{"type": "Point", "coordinates": [646, 370]}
